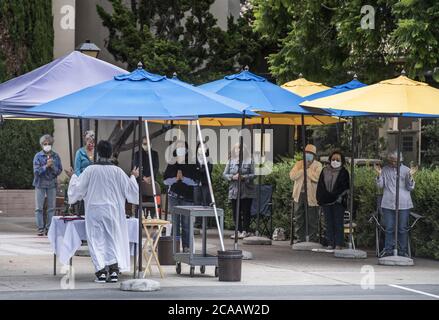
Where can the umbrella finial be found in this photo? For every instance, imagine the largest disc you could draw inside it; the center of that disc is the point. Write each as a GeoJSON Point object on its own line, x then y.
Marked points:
{"type": "Point", "coordinates": [300, 75]}
{"type": "Point", "coordinates": [174, 75]}
{"type": "Point", "coordinates": [140, 65]}
{"type": "Point", "coordinates": [403, 73]}
{"type": "Point", "coordinates": [246, 68]}
{"type": "Point", "coordinates": [355, 76]}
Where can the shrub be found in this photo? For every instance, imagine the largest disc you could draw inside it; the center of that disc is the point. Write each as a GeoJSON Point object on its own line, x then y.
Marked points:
{"type": "Point", "coordinates": [19, 141]}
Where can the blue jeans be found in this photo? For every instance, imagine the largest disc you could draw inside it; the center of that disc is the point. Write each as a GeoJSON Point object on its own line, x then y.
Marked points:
{"type": "Point", "coordinates": [40, 195]}
{"type": "Point", "coordinates": [389, 224]}
{"type": "Point", "coordinates": [182, 221]}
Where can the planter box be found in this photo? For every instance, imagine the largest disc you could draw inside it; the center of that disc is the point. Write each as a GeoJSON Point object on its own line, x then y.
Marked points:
{"type": "Point", "coordinates": [17, 203]}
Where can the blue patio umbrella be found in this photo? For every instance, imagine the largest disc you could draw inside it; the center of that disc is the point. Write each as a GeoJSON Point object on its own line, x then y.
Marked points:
{"type": "Point", "coordinates": [262, 96]}
{"type": "Point", "coordinates": [257, 92]}
{"type": "Point", "coordinates": [142, 95]}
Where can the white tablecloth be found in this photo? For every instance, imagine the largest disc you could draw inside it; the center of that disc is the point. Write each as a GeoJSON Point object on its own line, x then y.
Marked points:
{"type": "Point", "coordinates": [66, 237]}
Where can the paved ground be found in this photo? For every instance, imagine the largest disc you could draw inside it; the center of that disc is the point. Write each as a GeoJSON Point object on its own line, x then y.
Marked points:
{"type": "Point", "coordinates": [277, 272]}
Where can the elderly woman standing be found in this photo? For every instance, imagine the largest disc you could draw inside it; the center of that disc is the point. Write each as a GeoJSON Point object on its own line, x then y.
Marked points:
{"type": "Point", "coordinates": [85, 155]}
{"type": "Point", "coordinates": [332, 190]}
{"type": "Point", "coordinates": [387, 180]}
{"type": "Point", "coordinates": [248, 189]}
{"type": "Point", "coordinates": [47, 167]}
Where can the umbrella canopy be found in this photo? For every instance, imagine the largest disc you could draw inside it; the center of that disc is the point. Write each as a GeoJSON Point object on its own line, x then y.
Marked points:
{"type": "Point", "coordinates": [256, 91]}
{"type": "Point", "coordinates": [141, 94]}
{"type": "Point", "coordinates": [400, 96]}
{"type": "Point", "coordinates": [348, 86]}
{"type": "Point", "coordinates": [61, 77]}
{"type": "Point", "coordinates": [269, 119]}
{"type": "Point", "coordinates": [303, 87]}
{"type": "Point", "coordinates": [277, 105]}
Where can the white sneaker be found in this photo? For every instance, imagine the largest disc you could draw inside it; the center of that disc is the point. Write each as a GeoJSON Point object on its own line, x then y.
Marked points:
{"type": "Point", "coordinates": [242, 235]}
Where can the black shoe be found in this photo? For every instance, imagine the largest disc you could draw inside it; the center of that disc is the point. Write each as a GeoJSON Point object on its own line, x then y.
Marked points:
{"type": "Point", "coordinates": [101, 276]}
{"type": "Point", "coordinates": [113, 277]}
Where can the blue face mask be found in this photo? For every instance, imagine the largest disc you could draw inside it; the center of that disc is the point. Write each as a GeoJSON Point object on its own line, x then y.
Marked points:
{"type": "Point", "coordinates": [309, 157]}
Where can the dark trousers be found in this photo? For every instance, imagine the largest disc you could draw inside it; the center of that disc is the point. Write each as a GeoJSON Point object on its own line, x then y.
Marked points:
{"type": "Point", "coordinates": [300, 221]}
{"type": "Point", "coordinates": [334, 220]}
{"type": "Point", "coordinates": [244, 208]}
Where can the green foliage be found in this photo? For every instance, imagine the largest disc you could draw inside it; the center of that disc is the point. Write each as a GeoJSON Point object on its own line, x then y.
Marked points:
{"type": "Point", "coordinates": [26, 33]}
{"type": "Point", "coordinates": [26, 30]}
{"type": "Point", "coordinates": [19, 141]}
{"type": "Point", "coordinates": [194, 47]}
{"type": "Point", "coordinates": [325, 40]}
{"type": "Point", "coordinates": [426, 201]}
{"type": "Point", "coordinates": [279, 178]}
{"type": "Point", "coordinates": [221, 191]}
{"type": "Point", "coordinates": [430, 138]}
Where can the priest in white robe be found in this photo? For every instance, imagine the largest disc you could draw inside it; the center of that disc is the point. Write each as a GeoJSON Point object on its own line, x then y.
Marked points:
{"type": "Point", "coordinates": [104, 188]}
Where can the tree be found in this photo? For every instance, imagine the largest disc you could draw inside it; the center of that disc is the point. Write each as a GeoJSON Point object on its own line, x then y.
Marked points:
{"type": "Point", "coordinates": [325, 40]}
{"type": "Point", "coordinates": [26, 42]}
{"type": "Point", "coordinates": [181, 36]}
{"type": "Point", "coordinates": [430, 138]}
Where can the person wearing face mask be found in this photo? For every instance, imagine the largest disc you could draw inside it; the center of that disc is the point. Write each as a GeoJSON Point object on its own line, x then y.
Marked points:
{"type": "Point", "coordinates": [332, 191]}
{"type": "Point", "coordinates": [146, 170]}
{"type": "Point", "coordinates": [85, 155]}
{"type": "Point", "coordinates": [248, 189]}
{"type": "Point", "coordinates": [180, 177]}
{"type": "Point", "coordinates": [47, 167]}
{"type": "Point", "coordinates": [386, 179]}
{"type": "Point", "coordinates": [313, 171]}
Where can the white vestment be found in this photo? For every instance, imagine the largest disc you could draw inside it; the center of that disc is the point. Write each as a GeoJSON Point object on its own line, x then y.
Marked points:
{"type": "Point", "coordinates": [104, 189]}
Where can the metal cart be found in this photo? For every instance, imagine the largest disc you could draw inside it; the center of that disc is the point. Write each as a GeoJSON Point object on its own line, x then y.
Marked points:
{"type": "Point", "coordinates": [203, 259]}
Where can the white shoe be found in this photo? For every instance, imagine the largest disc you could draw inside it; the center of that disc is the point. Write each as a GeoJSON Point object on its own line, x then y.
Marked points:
{"type": "Point", "coordinates": [242, 235]}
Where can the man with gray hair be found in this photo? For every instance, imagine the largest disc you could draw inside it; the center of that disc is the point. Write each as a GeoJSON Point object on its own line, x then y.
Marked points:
{"type": "Point", "coordinates": [386, 179]}
{"type": "Point", "coordinates": [47, 167]}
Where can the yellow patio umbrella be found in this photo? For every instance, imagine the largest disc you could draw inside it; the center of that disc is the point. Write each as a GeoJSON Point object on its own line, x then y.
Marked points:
{"type": "Point", "coordinates": [398, 96]}
{"type": "Point", "coordinates": [303, 87]}
{"type": "Point", "coordinates": [268, 118]}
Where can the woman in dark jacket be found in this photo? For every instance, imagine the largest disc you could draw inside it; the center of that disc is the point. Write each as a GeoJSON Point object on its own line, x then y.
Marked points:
{"type": "Point", "coordinates": [180, 177]}
{"type": "Point", "coordinates": [332, 190]}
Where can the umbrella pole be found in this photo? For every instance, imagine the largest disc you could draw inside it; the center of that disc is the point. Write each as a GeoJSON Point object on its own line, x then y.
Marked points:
{"type": "Point", "coordinates": [96, 140]}
{"type": "Point", "coordinates": [70, 142]}
{"type": "Point", "coordinates": [351, 202]}
{"type": "Point", "coordinates": [151, 170]}
{"type": "Point", "coordinates": [212, 196]}
{"type": "Point", "coordinates": [398, 173]}
{"type": "Point", "coordinates": [260, 176]}
{"type": "Point", "coordinates": [305, 178]}
{"type": "Point", "coordinates": [134, 143]}
{"type": "Point", "coordinates": [139, 211]}
{"type": "Point", "coordinates": [81, 141]}
{"type": "Point", "coordinates": [238, 197]}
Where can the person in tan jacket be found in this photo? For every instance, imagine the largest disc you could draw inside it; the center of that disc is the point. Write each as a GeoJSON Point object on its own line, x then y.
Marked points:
{"type": "Point", "coordinates": [314, 168]}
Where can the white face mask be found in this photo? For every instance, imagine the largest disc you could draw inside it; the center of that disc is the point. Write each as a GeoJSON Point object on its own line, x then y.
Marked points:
{"type": "Point", "coordinates": [181, 152]}
{"type": "Point", "coordinates": [145, 147]}
{"type": "Point", "coordinates": [335, 164]}
{"type": "Point", "coordinates": [47, 148]}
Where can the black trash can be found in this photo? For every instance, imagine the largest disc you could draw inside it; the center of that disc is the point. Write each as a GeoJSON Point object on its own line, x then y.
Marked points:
{"type": "Point", "coordinates": [164, 250]}
{"type": "Point", "coordinates": [229, 265]}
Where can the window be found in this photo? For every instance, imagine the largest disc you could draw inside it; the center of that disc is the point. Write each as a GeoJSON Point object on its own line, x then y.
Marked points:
{"type": "Point", "coordinates": [407, 144]}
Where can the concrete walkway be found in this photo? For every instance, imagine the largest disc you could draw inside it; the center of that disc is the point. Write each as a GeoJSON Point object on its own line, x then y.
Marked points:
{"type": "Point", "coordinates": [26, 266]}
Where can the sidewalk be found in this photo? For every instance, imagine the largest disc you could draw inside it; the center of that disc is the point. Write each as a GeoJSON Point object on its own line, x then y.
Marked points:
{"type": "Point", "coordinates": [26, 264]}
